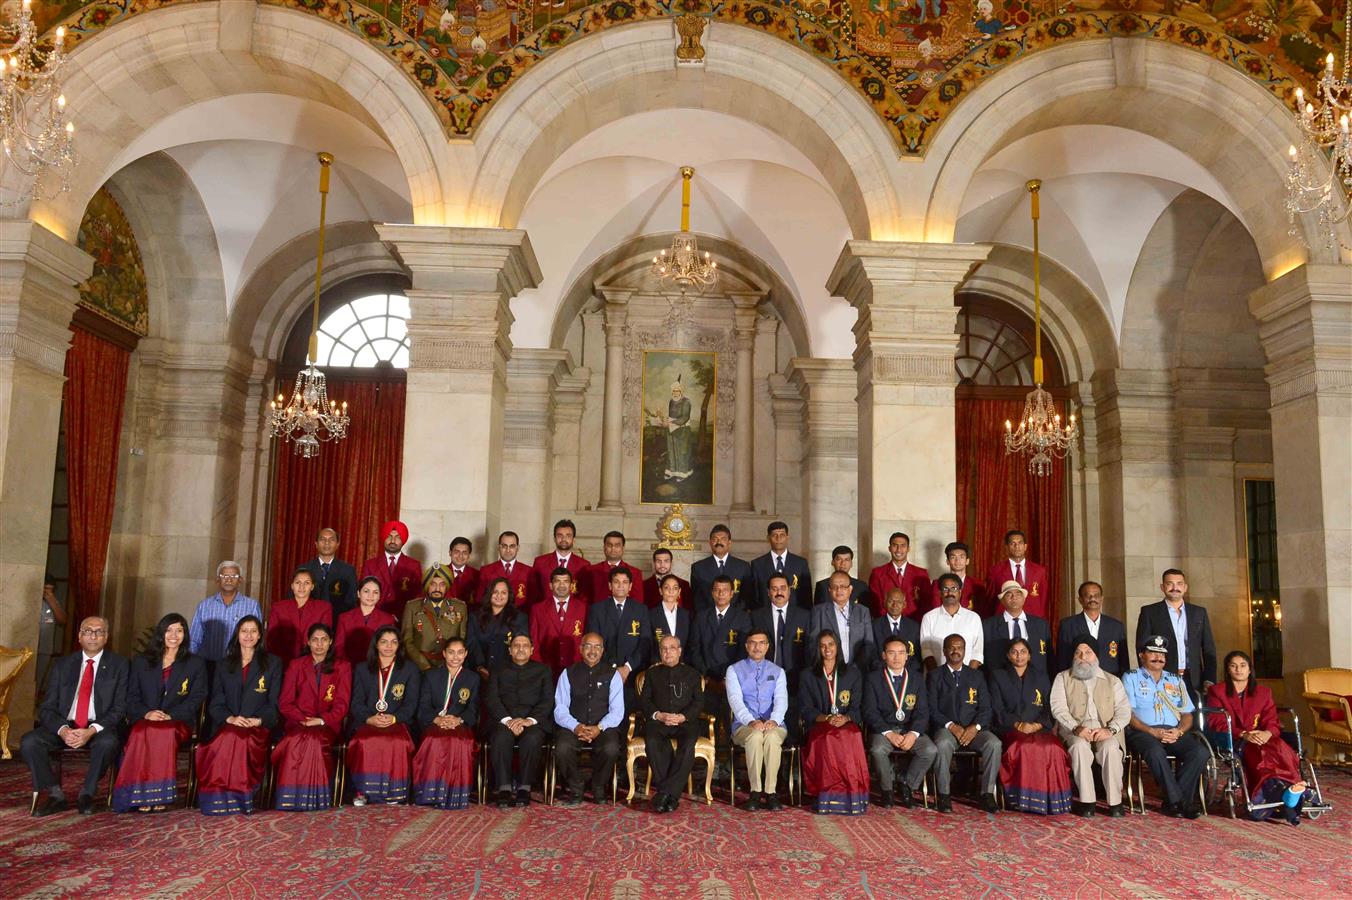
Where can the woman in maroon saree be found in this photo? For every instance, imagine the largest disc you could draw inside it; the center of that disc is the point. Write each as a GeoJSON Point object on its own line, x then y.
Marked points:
{"type": "Point", "coordinates": [1034, 766]}
{"type": "Point", "coordinates": [243, 708]}
{"type": "Point", "coordinates": [384, 712]}
{"type": "Point", "coordinates": [316, 692]}
{"type": "Point", "coordinates": [1271, 767]}
{"type": "Point", "coordinates": [165, 692]}
{"type": "Point", "coordinates": [835, 769]}
{"type": "Point", "coordinates": [443, 769]}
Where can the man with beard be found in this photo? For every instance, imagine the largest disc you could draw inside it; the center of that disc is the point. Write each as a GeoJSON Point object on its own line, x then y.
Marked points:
{"type": "Point", "coordinates": [563, 557]}
{"type": "Point", "coordinates": [428, 623]}
{"type": "Point", "coordinates": [652, 585]}
{"type": "Point", "coordinates": [588, 710]}
{"type": "Point", "coordinates": [1091, 710]}
{"type": "Point", "coordinates": [517, 573]}
{"type": "Point", "coordinates": [400, 575]}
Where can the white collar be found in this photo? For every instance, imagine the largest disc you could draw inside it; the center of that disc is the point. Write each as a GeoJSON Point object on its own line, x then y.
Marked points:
{"type": "Point", "coordinates": [901, 569]}
{"type": "Point", "coordinates": [1009, 618]}
{"type": "Point", "coordinates": [96, 657]}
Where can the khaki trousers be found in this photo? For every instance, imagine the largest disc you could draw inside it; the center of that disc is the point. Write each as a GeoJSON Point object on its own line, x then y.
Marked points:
{"type": "Point", "coordinates": [762, 755]}
{"type": "Point", "coordinates": [1083, 754]}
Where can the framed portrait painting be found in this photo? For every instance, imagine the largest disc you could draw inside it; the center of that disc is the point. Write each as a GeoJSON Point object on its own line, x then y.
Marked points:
{"type": "Point", "coordinates": [679, 409]}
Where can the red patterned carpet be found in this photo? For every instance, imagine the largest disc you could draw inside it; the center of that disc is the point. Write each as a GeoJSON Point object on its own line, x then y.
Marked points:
{"type": "Point", "coordinates": [699, 852]}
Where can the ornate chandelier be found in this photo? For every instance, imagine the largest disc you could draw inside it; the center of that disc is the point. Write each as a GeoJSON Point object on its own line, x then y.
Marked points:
{"type": "Point", "coordinates": [1319, 177]}
{"type": "Point", "coordinates": [1040, 433]}
{"type": "Point", "coordinates": [683, 265]}
{"type": "Point", "coordinates": [310, 417]}
{"type": "Point", "coordinates": [34, 133]}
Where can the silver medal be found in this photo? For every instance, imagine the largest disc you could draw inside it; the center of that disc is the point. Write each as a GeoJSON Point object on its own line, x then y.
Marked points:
{"type": "Point", "coordinates": [901, 716]}
{"type": "Point", "coordinates": [381, 705]}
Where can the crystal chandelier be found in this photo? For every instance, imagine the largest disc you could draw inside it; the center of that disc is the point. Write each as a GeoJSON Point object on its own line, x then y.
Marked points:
{"type": "Point", "coordinates": [310, 417]}
{"type": "Point", "coordinates": [1040, 433]}
{"type": "Point", "coordinates": [34, 133]}
{"type": "Point", "coordinates": [1319, 174]}
{"type": "Point", "coordinates": [683, 265]}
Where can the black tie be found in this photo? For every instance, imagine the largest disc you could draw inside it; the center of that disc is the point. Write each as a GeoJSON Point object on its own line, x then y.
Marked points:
{"type": "Point", "coordinates": [896, 682]}
{"type": "Point", "coordinates": [720, 620]}
{"type": "Point", "coordinates": [720, 565]}
{"type": "Point", "coordinates": [779, 564]}
{"type": "Point", "coordinates": [779, 632]}
{"type": "Point", "coordinates": [896, 628]}
{"type": "Point", "coordinates": [324, 570]}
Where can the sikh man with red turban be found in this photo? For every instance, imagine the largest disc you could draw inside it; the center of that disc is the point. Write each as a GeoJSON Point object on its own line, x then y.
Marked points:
{"type": "Point", "coordinates": [400, 575]}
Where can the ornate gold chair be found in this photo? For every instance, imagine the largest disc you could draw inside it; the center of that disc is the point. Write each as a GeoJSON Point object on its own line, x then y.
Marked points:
{"type": "Point", "coordinates": [12, 663]}
{"type": "Point", "coordinates": [1326, 694]}
{"type": "Point", "coordinates": [637, 749]}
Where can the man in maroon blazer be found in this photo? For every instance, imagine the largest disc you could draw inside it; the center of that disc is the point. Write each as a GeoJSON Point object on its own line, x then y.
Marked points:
{"type": "Point", "coordinates": [465, 578]}
{"type": "Point", "coordinates": [598, 574]}
{"type": "Point", "coordinates": [1030, 576]}
{"type": "Point", "coordinates": [557, 624]}
{"type": "Point", "coordinates": [974, 594]}
{"type": "Point", "coordinates": [562, 557]}
{"type": "Point", "coordinates": [400, 575]}
{"type": "Point", "coordinates": [509, 567]}
{"type": "Point", "coordinates": [898, 573]}
{"type": "Point", "coordinates": [652, 592]}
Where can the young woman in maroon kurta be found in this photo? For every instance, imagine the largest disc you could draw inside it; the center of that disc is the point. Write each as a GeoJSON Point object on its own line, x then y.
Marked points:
{"type": "Point", "coordinates": [290, 619]}
{"type": "Point", "coordinates": [316, 692]}
{"type": "Point", "coordinates": [1271, 767]}
{"type": "Point", "coordinates": [356, 626]}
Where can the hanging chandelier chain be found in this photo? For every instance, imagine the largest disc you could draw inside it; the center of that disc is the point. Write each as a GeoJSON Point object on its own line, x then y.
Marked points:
{"type": "Point", "coordinates": [684, 265]}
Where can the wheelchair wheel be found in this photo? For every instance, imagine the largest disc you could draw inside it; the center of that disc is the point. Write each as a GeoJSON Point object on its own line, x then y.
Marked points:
{"type": "Point", "coordinates": [1314, 813]}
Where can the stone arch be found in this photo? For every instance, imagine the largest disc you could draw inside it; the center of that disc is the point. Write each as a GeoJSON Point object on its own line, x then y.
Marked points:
{"type": "Point", "coordinates": [216, 52]}
{"type": "Point", "coordinates": [178, 248]}
{"type": "Point", "coordinates": [1234, 128]}
{"type": "Point", "coordinates": [743, 268]}
{"type": "Point", "coordinates": [747, 74]}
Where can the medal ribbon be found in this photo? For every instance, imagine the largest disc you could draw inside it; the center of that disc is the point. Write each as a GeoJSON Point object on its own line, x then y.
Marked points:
{"type": "Point", "coordinates": [905, 680]}
{"type": "Point", "coordinates": [383, 681]}
{"type": "Point", "coordinates": [831, 689]}
{"type": "Point", "coordinates": [450, 684]}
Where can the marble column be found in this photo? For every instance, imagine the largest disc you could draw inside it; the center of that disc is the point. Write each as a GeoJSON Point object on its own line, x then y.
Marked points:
{"type": "Point", "coordinates": [743, 402]}
{"type": "Point", "coordinates": [38, 274]}
{"type": "Point", "coordinates": [463, 280]}
{"type": "Point", "coordinates": [528, 444]}
{"type": "Point", "coordinates": [570, 389]}
{"type": "Point", "coordinates": [905, 341]}
{"type": "Point", "coordinates": [1305, 325]}
{"type": "Point", "coordinates": [616, 305]}
{"type": "Point", "coordinates": [830, 467]}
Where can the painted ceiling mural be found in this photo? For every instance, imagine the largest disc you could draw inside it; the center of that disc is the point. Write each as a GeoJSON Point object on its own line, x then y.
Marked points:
{"type": "Point", "coordinates": [913, 60]}
{"type": "Point", "coordinates": [117, 287]}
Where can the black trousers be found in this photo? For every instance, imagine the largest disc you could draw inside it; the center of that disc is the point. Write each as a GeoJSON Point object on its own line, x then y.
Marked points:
{"type": "Point", "coordinates": [1192, 758]}
{"type": "Point", "coordinates": [37, 746]}
{"type": "Point", "coordinates": [670, 767]}
{"type": "Point", "coordinates": [501, 743]}
{"type": "Point", "coordinates": [605, 752]}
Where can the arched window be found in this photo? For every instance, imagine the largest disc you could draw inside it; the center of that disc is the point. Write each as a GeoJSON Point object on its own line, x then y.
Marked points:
{"type": "Point", "coordinates": [995, 347]}
{"type": "Point", "coordinates": [366, 332]}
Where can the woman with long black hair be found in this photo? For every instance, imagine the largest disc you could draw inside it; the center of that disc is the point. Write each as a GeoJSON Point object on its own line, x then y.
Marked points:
{"type": "Point", "coordinates": [316, 692]}
{"type": "Point", "coordinates": [384, 714]}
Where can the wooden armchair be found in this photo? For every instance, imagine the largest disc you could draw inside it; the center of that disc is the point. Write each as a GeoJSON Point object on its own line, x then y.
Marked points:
{"type": "Point", "coordinates": [12, 663]}
{"type": "Point", "coordinates": [1326, 694]}
{"type": "Point", "coordinates": [636, 748]}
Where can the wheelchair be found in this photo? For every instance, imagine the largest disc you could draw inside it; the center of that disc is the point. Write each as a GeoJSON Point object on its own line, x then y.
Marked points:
{"type": "Point", "coordinates": [1226, 782]}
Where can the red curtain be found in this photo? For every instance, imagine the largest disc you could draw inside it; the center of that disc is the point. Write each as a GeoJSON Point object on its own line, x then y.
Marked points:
{"type": "Point", "coordinates": [352, 485]}
{"type": "Point", "coordinates": [94, 394]}
{"type": "Point", "coordinates": [996, 493]}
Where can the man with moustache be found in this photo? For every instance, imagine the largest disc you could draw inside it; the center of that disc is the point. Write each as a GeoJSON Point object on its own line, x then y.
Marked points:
{"type": "Point", "coordinates": [842, 560]}
{"type": "Point", "coordinates": [652, 585]}
{"type": "Point", "coordinates": [563, 557]}
{"type": "Point", "coordinates": [779, 561]}
{"type": "Point", "coordinates": [517, 573]}
{"type": "Point", "coordinates": [719, 562]}
{"type": "Point", "coordinates": [556, 624]}
{"type": "Point", "coordinates": [1092, 711]}
{"type": "Point", "coordinates": [400, 575]}
{"type": "Point", "coordinates": [588, 710]}
{"type": "Point", "coordinates": [1109, 634]}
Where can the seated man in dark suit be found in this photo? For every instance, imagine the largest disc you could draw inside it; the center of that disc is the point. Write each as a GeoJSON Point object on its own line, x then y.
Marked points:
{"type": "Point", "coordinates": [1011, 622]}
{"type": "Point", "coordinates": [896, 710]}
{"type": "Point", "coordinates": [83, 709]}
{"type": "Point", "coordinates": [520, 705]}
{"type": "Point", "coordinates": [1110, 635]}
{"type": "Point", "coordinates": [788, 626]}
{"type": "Point", "coordinates": [1186, 626]}
{"type": "Point", "coordinates": [960, 716]}
{"type": "Point", "coordinates": [895, 623]}
{"type": "Point", "coordinates": [842, 560]}
{"type": "Point", "coordinates": [779, 561]}
{"type": "Point", "coordinates": [671, 701]}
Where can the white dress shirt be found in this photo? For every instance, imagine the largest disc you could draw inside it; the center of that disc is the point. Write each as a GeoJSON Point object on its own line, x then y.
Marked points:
{"type": "Point", "coordinates": [75, 702]}
{"type": "Point", "coordinates": [843, 629]}
{"type": "Point", "coordinates": [1023, 624]}
{"type": "Point", "coordinates": [938, 624]}
{"type": "Point", "coordinates": [1093, 624]}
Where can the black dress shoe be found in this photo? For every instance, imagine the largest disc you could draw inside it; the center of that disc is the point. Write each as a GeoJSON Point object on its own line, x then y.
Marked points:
{"type": "Point", "coordinates": [672, 802]}
{"type": "Point", "coordinates": [989, 803]}
{"type": "Point", "coordinates": [771, 802]}
{"type": "Point", "coordinates": [504, 799]}
{"type": "Point", "coordinates": [1083, 810]}
{"type": "Point", "coordinates": [885, 800]}
{"type": "Point", "coordinates": [1171, 810]}
{"type": "Point", "coordinates": [84, 805]}
{"type": "Point", "coordinates": [50, 807]}
{"type": "Point", "coordinates": [1191, 811]}
{"type": "Point", "coordinates": [523, 797]}
{"type": "Point", "coordinates": [944, 803]}
{"type": "Point", "coordinates": [572, 800]}
{"type": "Point", "coordinates": [750, 804]}
{"type": "Point", "coordinates": [905, 799]}
{"type": "Point", "coordinates": [659, 803]}
{"type": "Point", "coordinates": [1116, 811]}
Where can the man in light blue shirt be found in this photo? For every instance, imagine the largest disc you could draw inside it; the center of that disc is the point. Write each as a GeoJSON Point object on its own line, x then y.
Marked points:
{"type": "Point", "coordinates": [758, 697]}
{"type": "Point", "coordinates": [1161, 726]}
{"type": "Point", "coordinates": [214, 621]}
{"type": "Point", "coordinates": [588, 709]}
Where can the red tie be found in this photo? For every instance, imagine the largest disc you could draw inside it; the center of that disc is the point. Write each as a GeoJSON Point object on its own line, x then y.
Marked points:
{"type": "Point", "coordinates": [85, 695]}
{"type": "Point", "coordinates": [561, 608]}
{"type": "Point", "coordinates": [509, 570]}
{"type": "Point", "coordinates": [391, 568]}
{"type": "Point", "coordinates": [1018, 574]}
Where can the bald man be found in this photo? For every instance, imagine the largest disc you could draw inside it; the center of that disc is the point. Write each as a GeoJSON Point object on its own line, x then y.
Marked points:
{"type": "Point", "coordinates": [588, 710]}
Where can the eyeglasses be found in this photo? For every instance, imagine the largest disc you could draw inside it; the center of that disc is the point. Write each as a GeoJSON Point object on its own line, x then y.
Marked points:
{"type": "Point", "coordinates": [92, 631]}
{"type": "Point", "coordinates": [223, 575]}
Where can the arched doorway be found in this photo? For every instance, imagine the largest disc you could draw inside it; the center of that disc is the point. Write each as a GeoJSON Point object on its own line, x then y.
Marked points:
{"type": "Point", "coordinates": [996, 493]}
